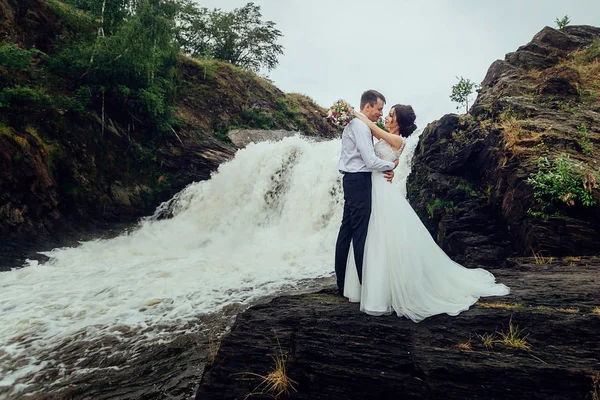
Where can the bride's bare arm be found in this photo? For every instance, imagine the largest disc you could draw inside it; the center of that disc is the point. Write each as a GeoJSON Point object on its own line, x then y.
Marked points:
{"type": "Point", "coordinates": [393, 140]}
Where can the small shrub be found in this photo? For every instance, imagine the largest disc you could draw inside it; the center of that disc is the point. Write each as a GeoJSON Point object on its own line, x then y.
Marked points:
{"type": "Point", "coordinates": [12, 57]}
{"type": "Point", "coordinates": [256, 117]}
{"type": "Point", "coordinates": [440, 204]}
{"type": "Point", "coordinates": [562, 22]}
{"type": "Point", "coordinates": [17, 96]}
{"type": "Point", "coordinates": [561, 182]}
{"type": "Point", "coordinates": [585, 143]}
{"type": "Point", "coordinates": [468, 188]}
{"type": "Point", "coordinates": [592, 52]}
{"type": "Point", "coordinates": [462, 91]}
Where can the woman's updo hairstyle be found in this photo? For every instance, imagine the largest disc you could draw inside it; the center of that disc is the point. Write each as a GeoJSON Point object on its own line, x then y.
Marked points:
{"type": "Point", "coordinates": [405, 116]}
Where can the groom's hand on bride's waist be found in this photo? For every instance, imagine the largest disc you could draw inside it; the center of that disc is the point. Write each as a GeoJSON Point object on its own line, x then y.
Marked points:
{"type": "Point", "coordinates": [389, 175]}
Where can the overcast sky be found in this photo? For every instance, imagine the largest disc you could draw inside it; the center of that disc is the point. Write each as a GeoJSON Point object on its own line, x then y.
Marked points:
{"type": "Point", "coordinates": [411, 51]}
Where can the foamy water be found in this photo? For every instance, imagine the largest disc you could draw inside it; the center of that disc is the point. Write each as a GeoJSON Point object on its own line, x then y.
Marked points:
{"type": "Point", "coordinates": [267, 219]}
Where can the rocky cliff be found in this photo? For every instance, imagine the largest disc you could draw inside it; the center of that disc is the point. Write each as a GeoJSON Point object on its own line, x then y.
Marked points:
{"type": "Point", "coordinates": [517, 175]}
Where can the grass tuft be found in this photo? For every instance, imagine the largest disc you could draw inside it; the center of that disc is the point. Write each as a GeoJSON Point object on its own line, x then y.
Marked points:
{"type": "Point", "coordinates": [465, 346]}
{"type": "Point", "coordinates": [504, 306]}
{"type": "Point", "coordinates": [539, 259]}
{"type": "Point", "coordinates": [596, 386]}
{"type": "Point", "coordinates": [514, 337]}
{"type": "Point", "coordinates": [277, 382]}
{"type": "Point", "coordinates": [213, 348]}
{"type": "Point", "coordinates": [488, 340]}
{"type": "Point", "coordinates": [568, 310]}
{"type": "Point", "coordinates": [571, 259]}
{"type": "Point", "coordinates": [512, 129]}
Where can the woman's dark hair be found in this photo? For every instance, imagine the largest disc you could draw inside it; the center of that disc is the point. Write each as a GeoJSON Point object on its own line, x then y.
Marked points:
{"type": "Point", "coordinates": [405, 116]}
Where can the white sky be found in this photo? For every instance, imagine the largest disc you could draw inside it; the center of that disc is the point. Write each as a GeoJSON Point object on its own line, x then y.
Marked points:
{"type": "Point", "coordinates": [411, 51]}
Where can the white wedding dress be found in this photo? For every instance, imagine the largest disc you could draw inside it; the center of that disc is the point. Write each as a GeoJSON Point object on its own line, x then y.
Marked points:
{"type": "Point", "coordinates": [404, 270]}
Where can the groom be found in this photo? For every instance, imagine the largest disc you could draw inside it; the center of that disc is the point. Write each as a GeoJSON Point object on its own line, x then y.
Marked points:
{"type": "Point", "coordinates": [357, 161]}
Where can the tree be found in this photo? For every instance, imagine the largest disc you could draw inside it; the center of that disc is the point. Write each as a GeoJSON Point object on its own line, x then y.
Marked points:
{"type": "Point", "coordinates": [461, 92]}
{"type": "Point", "coordinates": [563, 22]}
{"type": "Point", "coordinates": [239, 36]}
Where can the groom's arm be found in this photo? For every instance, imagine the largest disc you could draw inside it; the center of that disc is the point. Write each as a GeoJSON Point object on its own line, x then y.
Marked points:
{"type": "Point", "coordinates": [364, 144]}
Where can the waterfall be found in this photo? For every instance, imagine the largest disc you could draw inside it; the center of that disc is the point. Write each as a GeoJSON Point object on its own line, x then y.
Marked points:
{"type": "Point", "coordinates": [265, 221]}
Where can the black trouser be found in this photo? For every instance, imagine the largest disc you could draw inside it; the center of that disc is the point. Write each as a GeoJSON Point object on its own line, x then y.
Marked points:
{"type": "Point", "coordinates": [357, 211]}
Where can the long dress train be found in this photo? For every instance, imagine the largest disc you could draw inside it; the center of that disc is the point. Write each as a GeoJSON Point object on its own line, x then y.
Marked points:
{"type": "Point", "coordinates": [404, 270]}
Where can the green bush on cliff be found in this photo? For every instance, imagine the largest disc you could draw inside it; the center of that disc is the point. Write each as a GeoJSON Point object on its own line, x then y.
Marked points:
{"type": "Point", "coordinates": [561, 182]}
{"type": "Point", "coordinates": [439, 204]}
{"type": "Point", "coordinates": [11, 97]}
{"type": "Point", "coordinates": [562, 22]}
{"type": "Point", "coordinates": [14, 58]}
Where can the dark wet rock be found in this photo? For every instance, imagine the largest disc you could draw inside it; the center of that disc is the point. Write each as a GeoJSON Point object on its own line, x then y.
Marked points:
{"type": "Point", "coordinates": [557, 85]}
{"type": "Point", "coordinates": [469, 180]}
{"type": "Point", "coordinates": [336, 352]}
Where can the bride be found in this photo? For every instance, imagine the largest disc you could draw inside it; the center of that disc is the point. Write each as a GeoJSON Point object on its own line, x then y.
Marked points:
{"type": "Point", "coordinates": [404, 270]}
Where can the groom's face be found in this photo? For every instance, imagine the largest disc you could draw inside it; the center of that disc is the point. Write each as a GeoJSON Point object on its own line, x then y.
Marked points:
{"type": "Point", "coordinates": [375, 111]}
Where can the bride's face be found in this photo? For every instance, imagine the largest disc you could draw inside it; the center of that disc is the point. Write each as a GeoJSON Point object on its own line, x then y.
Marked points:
{"type": "Point", "coordinates": [390, 121]}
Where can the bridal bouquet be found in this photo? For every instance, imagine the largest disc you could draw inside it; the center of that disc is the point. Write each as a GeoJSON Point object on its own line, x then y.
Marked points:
{"type": "Point", "coordinates": [340, 113]}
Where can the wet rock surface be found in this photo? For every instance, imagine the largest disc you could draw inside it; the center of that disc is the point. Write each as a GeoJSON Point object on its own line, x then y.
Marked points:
{"type": "Point", "coordinates": [334, 351]}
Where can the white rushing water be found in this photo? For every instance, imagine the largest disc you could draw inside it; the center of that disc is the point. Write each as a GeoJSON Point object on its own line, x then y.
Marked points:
{"type": "Point", "coordinates": [266, 220]}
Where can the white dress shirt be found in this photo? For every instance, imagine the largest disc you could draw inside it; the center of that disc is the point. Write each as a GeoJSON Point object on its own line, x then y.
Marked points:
{"type": "Point", "coordinates": [358, 154]}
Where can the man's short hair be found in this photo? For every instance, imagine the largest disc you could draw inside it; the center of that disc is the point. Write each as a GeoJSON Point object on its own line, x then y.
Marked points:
{"type": "Point", "coordinates": [370, 97]}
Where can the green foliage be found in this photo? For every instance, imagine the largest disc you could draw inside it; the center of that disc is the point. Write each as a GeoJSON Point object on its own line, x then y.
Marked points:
{"type": "Point", "coordinates": [585, 143]}
{"type": "Point", "coordinates": [440, 204]}
{"type": "Point", "coordinates": [257, 117]}
{"type": "Point", "coordinates": [288, 113]}
{"type": "Point", "coordinates": [462, 91]}
{"type": "Point", "coordinates": [141, 49]}
{"type": "Point", "coordinates": [286, 108]}
{"type": "Point", "coordinates": [115, 11]}
{"type": "Point", "coordinates": [587, 96]}
{"type": "Point", "coordinates": [240, 36]}
{"type": "Point", "coordinates": [593, 51]}
{"type": "Point", "coordinates": [155, 106]}
{"type": "Point", "coordinates": [562, 22]}
{"type": "Point", "coordinates": [129, 61]}
{"type": "Point", "coordinates": [14, 58]}
{"type": "Point", "coordinates": [467, 187]}
{"type": "Point", "coordinates": [73, 18]}
{"type": "Point", "coordinates": [561, 182]}
{"type": "Point", "coordinates": [380, 123]}
{"type": "Point", "coordinates": [17, 96]}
